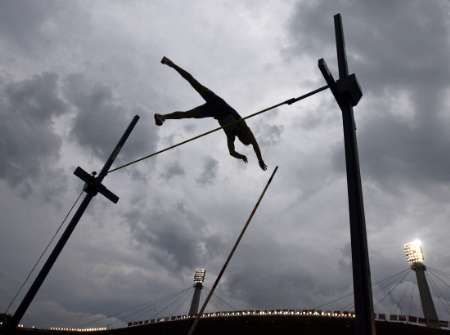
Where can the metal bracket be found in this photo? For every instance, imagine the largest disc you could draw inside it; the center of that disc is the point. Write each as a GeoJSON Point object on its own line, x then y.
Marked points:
{"type": "Point", "coordinates": [350, 89]}
{"type": "Point", "coordinates": [93, 186]}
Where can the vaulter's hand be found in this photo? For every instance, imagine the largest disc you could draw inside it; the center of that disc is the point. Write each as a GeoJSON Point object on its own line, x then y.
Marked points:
{"type": "Point", "coordinates": [263, 165]}
{"type": "Point", "coordinates": [244, 158]}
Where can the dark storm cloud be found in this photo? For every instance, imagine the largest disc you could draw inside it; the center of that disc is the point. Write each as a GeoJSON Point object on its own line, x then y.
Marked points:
{"type": "Point", "coordinates": [175, 237]}
{"type": "Point", "coordinates": [29, 146]}
{"type": "Point", "coordinates": [262, 275]}
{"type": "Point", "coordinates": [291, 286]}
{"type": "Point", "coordinates": [101, 119]}
{"type": "Point", "coordinates": [396, 51]}
{"type": "Point", "coordinates": [393, 150]}
{"type": "Point", "coordinates": [388, 43]}
{"type": "Point", "coordinates": [325, 114]}
{"type": "Point", "coordinates": [394, 48]}
{"type": "Point", "coordinates": [209, 172]}
{"type": "Point", "coordinates": [30, 27]}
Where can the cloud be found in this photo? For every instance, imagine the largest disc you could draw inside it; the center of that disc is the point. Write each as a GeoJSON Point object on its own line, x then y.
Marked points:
{"type": "Point", "coordinates": [263, 262]}
{"type": "Point", "coordinates": [250, 281]}
{"type": "Point", "coordinates": [101, 119]}
{"type": "Point", "coordinates": [384, 56]}
{"type": "Point", "coordinates": [172, 170]}
{"type": "Point", "coordinates": [381, 54]}
{"type": "Point", "coordinates": [394, 152]}
{"type": "Point", "coordinates": [209, 173]}
{"type": "Point", "coordinates": [29, 145]}
{"type": "Point", "coordinates": [401, 126]}
{"type": "Point", "coordinates": [21, 21]}
{"type": "Point", "coordinates": [177, 238]}
{"type": "Point", "coordinates": [31, 28]}
{"type": "Point", "coordinates": [269, 134]}
{"type": "Point", "coordinates": [149, 244]}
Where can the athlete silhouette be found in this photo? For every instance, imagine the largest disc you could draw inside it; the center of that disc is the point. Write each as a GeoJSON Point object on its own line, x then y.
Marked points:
{"type": "Point", "coordinates": [217, 108]}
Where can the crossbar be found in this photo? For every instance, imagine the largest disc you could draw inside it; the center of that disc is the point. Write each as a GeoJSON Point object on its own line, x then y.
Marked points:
{"type": "Point", "coordinates": [286, 102]}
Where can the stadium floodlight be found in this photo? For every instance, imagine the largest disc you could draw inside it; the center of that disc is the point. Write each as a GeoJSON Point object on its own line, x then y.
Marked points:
{"type": "Point", "coordinates": [414, 256]}
{"type": "Point", "coordinates": [199, 276]}
{"type": "Point", "coordinates": [413, 252]}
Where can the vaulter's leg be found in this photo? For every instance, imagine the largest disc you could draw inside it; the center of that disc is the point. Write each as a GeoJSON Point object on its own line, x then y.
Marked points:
{"type": "Point", "coordinates": [197, 113]}
{"type": "Point", "coordinates": [205, 92]}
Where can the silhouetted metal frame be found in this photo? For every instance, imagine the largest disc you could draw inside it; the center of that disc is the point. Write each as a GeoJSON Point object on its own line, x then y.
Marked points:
{"type": "Point", "coordinates": [364, 321]}
{"type": "Point", "coordinates": [92, 187]}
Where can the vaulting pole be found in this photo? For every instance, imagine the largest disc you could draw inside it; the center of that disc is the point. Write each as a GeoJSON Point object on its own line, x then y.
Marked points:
{"type": "Point", "coordinates": [93, 186]}
{"type": "Point", "coordinates": [216, 282]}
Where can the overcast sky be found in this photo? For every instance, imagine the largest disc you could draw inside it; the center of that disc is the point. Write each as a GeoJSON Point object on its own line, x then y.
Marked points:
{"type": "Point", "coordinates": [72, 75]}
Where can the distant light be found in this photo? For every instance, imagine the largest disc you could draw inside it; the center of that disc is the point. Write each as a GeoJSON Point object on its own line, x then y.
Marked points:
{"type": "Point", "coordinates": [83, 330]}
{"type": "Point", "coordinates": [413, 252]}
{"type": "Point", "coordinates": [199, 275]}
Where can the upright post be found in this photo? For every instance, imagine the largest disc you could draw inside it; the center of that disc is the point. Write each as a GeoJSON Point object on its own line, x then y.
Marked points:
{"type": "Point", "coordinates": [347, 93]}
{"type": "Point", "coordinates": [92, 187]}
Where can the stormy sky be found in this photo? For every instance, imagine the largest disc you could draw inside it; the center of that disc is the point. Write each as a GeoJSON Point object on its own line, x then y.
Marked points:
{"type": "Point", "coordinates": [72, 75]}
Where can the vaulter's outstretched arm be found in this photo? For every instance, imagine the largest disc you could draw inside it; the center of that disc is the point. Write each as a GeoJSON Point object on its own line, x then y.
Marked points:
{"type": "Point", "coordinates": [233, 152]}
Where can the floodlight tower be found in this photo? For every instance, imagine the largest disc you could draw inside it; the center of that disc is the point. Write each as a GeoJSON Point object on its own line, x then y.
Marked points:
{"type": "Point", "coordinates": [199, 278]}
{"type": "Point", "coordinates": [414, 256]}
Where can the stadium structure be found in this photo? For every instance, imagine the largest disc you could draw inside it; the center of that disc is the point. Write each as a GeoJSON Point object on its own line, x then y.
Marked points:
{"type": "Point", "coordinates": [271, 321]}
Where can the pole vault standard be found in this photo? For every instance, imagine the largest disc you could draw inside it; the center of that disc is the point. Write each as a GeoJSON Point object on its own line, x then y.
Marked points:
{"type": "Point", "coordinates": [347, 93]}
{"type": "Point", "coordinates": [92, 187]}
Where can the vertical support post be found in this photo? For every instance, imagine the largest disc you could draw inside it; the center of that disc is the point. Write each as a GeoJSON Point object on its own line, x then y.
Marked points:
{"type": "Point", "coordinates": [364, 323]}
{"type": "Point", "coordinates": [347, 94]}
{"type": "Point", "coordinates": [93, 186]}
{"type": "Point", "coordinates": [340, 46]}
